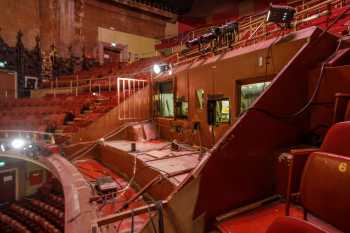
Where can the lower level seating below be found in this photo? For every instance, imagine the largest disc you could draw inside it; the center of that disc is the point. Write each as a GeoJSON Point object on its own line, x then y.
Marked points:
{"type": "Point", "coordinates": [36, 214]}
{"type": "Point", "coordinates": [9, 225]}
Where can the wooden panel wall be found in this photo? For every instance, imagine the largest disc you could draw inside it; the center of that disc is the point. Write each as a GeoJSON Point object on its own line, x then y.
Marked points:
{"type": "Point", "coordinates": [219, 75]}
{"type": "Point", "coordinates": [240, 168]}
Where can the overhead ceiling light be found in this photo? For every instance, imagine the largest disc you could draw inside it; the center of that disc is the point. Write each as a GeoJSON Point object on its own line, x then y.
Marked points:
{"type": "Point", "coordinates": [18, 143]}
{"type": "Point", "coordinates": [113, 44]}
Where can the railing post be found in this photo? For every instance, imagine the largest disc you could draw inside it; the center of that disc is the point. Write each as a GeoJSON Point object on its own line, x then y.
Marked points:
{"type": "Point", "coordinates": [118, 90]}
{"type": "Point", "coordinates": [77, 85]}
{"type": "Point", "coordinates": [129, 89]}
{"type": "Point", "coordinates": [90, 88]}
{"type": "Point", "coordinates": [76, 88]}
{"type": "Point", "coordinates": [109, 84]}
{"type": "Point", "coordinates": [71, 86]}
{"type": "Point", "coordinates": [133, 87]}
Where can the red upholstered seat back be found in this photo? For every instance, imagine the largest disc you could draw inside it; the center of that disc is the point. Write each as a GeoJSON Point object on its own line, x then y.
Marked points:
{"type": "Point", "coordinates": [292, 225]}
{"type": "Point", "coordinates": [337, 140]}
{"type": "Point", "coordinates": [325, 189]}
{"type": "Point", "coordinates": [347, 112]}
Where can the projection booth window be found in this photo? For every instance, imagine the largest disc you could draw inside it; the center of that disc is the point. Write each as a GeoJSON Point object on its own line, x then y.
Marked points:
{"type": "Point", "coordinates": [166, 99]}
{"type": "Point", "coordinates": [218, 111]}
{"type": "Point", "coordinates": [248, 94]}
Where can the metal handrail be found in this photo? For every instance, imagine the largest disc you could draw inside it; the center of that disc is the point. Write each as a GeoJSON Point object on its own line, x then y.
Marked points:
{"type": "Point", "coordinates": [246, 29]}
{"type": "Point", "coordinates": [249, 23]}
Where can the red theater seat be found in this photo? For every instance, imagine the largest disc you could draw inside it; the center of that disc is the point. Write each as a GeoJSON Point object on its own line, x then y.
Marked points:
{"type": "Point", "coordinates": [325, 189]}
{"type": "Point", "coordinates": [335, 142]}
{"type": "Point", "coordinates": [292, 225]}
{"type": "Point", "coordinates": [337, 139]}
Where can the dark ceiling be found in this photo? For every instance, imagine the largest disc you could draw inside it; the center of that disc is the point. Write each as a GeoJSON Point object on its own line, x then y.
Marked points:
{"type": "Point", "coordinates": [180, 6]}
{"type": "Point", "coordinates": [198, 9]}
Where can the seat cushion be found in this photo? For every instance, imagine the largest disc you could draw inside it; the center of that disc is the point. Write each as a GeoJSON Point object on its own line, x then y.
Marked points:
{"type": "Point", "coordinates": [292, 225]}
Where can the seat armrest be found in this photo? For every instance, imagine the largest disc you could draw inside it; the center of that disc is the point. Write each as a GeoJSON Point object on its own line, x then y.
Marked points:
{"type": "Point", "coordinates": [296, 161]}
{"type": "Point", "coordinates": [303, 151]}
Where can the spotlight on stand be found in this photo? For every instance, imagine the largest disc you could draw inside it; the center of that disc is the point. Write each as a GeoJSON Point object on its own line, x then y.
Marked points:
{"type": "Point", "coordinates": [160, 68]}
{"type": "Point", "coordinates": [280, 14]}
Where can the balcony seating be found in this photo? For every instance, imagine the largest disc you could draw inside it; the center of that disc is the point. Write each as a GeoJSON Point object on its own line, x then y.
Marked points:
{"type": "Point", "coordinates": [37, 114]}
{"type": "Point", "coordinates": [99, 76]}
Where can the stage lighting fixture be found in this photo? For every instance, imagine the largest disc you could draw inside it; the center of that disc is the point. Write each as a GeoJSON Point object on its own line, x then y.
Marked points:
{"type": "Point", "coordinates": [18, 143]}
{"type": "Point", "coordinates": [159, 68]}
{"type": "Point", "coordinates": [193, 42]}
{"type": "Point", "coordinates": [207, 37]}
{"type": "Point", "coordinates": [3, 64]}
{"type": "Point", "coordinates": [230, 27]}
{"type": "Point", "coordinates": [280, 14]}
{"type": "Point", "coordinates": [156, 69]}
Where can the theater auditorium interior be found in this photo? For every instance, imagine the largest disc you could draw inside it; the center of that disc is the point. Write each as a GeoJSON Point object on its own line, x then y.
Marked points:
{"type": "Point", "coordinates": [174, 116]}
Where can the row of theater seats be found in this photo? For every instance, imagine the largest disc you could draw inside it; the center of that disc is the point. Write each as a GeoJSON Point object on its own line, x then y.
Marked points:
{"type": "Point", "coordinates": [51, 111]}
{"type": "Point", "coordinates": [51, 214]}
{"type": "Point", "coordinates": [38, 214]}
{"type": "Point", "coordinates": [10, 225]}
{"type": "Point", "coordinates": [56, 201]}
{"type": "Point", "coordinates": [102, 73]}
{"type": "Point", "coordinates": [34, 221]}
{"type": "Point", "coordinates": [37, 114]}
{"type": "Point", "coordinates": [324, 187]}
